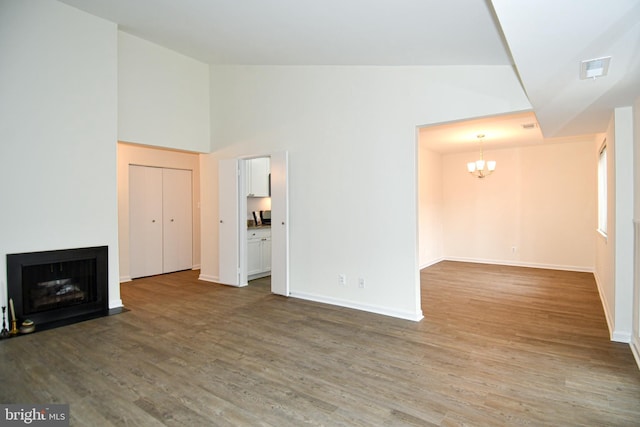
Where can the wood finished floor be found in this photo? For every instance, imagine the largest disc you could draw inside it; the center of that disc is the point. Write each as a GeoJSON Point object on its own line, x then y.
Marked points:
{"type": "Point", "coordinates": [499, 346]}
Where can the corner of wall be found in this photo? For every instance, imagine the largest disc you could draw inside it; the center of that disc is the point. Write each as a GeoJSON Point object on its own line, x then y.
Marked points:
{"type": "Point", "coordinates": [635, 349]}
{"type": "Point", "coordinates": [605, 305]}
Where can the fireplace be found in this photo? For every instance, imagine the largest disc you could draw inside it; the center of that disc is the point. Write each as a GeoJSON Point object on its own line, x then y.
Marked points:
{"type": "Point", "coordinates": [55, 288]}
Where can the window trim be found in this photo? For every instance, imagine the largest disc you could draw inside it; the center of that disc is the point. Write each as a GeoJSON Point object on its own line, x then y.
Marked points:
{"type": "Point", "coordinates": [603, 190]}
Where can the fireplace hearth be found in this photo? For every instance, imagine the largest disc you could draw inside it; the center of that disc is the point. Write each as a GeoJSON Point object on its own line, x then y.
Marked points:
{"type": "Point", "coordinates": [55, 288]}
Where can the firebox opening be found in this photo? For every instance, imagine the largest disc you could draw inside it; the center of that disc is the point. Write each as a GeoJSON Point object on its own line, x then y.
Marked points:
{"type": "Point", "coordinates": [62, 284]}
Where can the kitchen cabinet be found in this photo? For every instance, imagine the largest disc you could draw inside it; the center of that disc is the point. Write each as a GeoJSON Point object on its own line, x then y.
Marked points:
{"type": "Point", "coordinates": [160, 220]}
{"type": "Point", "coordinates": [258, 177]}
{"type": "Point", "coordinates": [258, 252]}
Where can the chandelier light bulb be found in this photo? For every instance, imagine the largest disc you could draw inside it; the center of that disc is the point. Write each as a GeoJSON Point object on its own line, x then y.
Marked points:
{"type": "Point", "coordinates": [471, 166]}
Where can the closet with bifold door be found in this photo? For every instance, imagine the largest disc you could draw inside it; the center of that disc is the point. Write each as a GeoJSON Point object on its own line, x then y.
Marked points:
{"type": "Point", "coordinates": [160, 220]}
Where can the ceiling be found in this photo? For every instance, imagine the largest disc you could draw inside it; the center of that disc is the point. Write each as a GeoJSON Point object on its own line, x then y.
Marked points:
{"type": "Point", "coordinates": [544, 39]}
{"type": "Point", "coordinates": [328, 32]}
{"type": "Point", "coordinates": [499, 132]}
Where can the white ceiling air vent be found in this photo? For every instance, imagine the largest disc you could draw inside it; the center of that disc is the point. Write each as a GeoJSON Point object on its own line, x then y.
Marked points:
{"type": "Point", "coordinates": [594, 68]}
{"type": "Point", "coordinates": [528, 126]}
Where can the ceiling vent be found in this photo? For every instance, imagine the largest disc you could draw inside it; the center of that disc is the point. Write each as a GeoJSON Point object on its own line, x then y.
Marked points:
{"type": "Point", "coordinates": [529, 126]}
{"type": "Point", "coordinates": [594, 68]}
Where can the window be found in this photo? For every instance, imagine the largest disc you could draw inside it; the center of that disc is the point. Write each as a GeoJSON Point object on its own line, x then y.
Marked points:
{"type": "Point", "coordinates": [602, 190]}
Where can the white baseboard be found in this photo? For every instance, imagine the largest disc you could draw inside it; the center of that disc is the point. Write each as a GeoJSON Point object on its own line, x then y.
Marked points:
{"type": "Point", "coordinates": [242, 285]}
{"type": "Point", "coordinates": [603, 301]}
{"type": "Point", "coordinates": [624, 337]}
{"type": "Point", "coordinates": [432, 262]}
{"type": "Point", "coordinates": [259, 275]}
{"type": "Point", "coordinates": [196, 267]}
{"type": "Point", "coordinates": [617, 336]}
{"type": "Point", "coordinates": [207, 278]}
{"type": "Point", "coordinates": [125, 279]}
{"type": "Point", "coordinates": [512, 263]}
{"type": "Point", "coordinates": [115, 303]}
{"type": "Point", "coordinates": [215, 279]}
{"type": "Point", "coordinates": [406, 315]}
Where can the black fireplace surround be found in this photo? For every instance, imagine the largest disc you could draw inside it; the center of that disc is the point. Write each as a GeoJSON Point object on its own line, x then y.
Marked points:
{"type": "Point", "coordinates": [55, 288]}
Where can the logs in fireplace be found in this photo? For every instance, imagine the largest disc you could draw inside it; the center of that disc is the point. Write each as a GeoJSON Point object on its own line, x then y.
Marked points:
{"type": "Point", "coordinates": [55, 288]}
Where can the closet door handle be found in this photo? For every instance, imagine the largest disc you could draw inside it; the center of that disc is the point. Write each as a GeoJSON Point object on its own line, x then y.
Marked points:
{"type": "Point", "coordinates": [153, 220]}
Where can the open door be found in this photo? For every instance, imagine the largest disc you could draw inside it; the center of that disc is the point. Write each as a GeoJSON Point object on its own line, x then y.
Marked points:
{"type": "Point", "coordinates": [279, 224]}
{"type": "Point", "coordinates": [228, 226]}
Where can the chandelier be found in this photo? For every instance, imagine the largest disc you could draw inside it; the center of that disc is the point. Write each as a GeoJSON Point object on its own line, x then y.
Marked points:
{"type": "Point", "coordinates": [477, 168]}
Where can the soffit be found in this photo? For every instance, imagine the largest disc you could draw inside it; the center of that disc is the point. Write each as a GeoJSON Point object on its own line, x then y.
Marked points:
{"type": "Point", "coordinates": [549, 38]}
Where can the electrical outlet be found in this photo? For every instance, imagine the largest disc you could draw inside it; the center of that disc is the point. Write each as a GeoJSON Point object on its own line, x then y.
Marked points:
{"type": "Point", "coordinates": [361, 283]}
{"type": "Point", "coordinates": [342, 280]}
{"type": "Point", "coordinates": [514, 249]}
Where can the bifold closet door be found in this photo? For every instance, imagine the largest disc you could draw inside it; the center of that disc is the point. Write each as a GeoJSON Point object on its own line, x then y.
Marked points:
{"type": "Point", "coordinates": [145, 221]}
{"type": "Point", "coordinates": [160, 220]}
{"type": "Point", "coordinates": [177, 223]}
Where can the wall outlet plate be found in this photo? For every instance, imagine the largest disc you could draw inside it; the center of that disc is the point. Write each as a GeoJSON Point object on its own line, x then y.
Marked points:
{"type": "Point", "coordinates": [342, 280]}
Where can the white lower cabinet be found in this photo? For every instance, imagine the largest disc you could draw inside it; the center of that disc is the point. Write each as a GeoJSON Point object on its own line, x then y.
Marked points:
{"type": "Point", "coordinates": [258, 253]}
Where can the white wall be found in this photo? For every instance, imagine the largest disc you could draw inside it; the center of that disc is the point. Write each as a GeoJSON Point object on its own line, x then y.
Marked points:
{"type": "Point", "coordinates": [58, 109]}
{"type": "Point", "coordinates": [163, 96]}
{"type": "Point", "coordinates": [130, 154]}
{"type": "Point", "coordinates": [430, 206]}
{"type": "Point", "coordinates": [605, 254]}
{"type": "Point", "coordinates": [540, 200]}
{"type": "Point", "coordinates": [635, 338]}
{"type": "Point", "coordinates": [623, 226]}
{"type": "Point", "coordinates": [351, 137]}
{"type": "Point", "coordinates": [614, 254]}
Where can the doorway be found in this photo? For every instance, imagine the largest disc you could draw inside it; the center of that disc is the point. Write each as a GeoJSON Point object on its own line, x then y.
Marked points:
{"type": "Point", "coordinates": [258, 217]}
{"type": "Point", "coordinates": [233, 230]}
